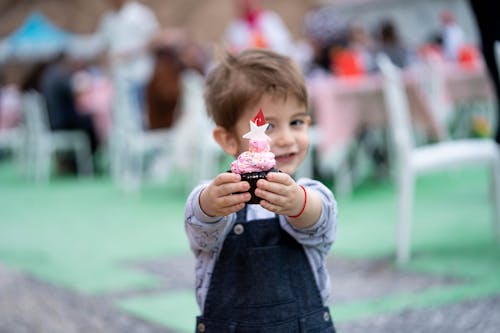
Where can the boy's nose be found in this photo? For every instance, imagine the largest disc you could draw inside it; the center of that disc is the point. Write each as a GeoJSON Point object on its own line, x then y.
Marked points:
{"type": "Point", "coordinates": [284, 138]}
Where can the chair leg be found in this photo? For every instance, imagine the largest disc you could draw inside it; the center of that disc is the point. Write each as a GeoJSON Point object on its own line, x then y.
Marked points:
{"type": "Point", "coordinates": [84, 159]}
{"type": "Point", "coordinates": [42, 157]}
{"type": "Point", "coordinates": [405, 212]}
{"type": "Point", "coordinates": [495, 189]}
{"type": "Point", "coordinates": [131, 164]}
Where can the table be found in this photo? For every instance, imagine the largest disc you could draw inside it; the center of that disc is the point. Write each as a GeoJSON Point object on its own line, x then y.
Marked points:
{"type": "Point", "coordinates": [343, 106]}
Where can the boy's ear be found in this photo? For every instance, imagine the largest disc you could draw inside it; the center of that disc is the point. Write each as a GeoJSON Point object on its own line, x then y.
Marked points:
{"type": "Point", "coordinates": [226, 140]}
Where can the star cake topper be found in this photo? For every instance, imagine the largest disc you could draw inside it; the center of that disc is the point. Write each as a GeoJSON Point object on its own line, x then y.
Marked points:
{"type": "Point", "coordinates": [258, 127]}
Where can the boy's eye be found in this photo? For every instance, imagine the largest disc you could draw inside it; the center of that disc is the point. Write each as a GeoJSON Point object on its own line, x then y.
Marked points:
{"type": "Point", "coordinates": [270, 127]}
{"type": "Point", "coordinates": [297, 122]}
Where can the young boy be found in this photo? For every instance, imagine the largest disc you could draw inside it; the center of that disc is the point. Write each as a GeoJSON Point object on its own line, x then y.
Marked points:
{"type": "Point", "coordinates": [261, 267]}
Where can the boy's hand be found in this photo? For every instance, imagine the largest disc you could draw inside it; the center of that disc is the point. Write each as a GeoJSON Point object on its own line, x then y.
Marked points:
{"type": "Point", "coordinates": [219, 198]}
{"type": "Point", "coordinates": [280, 194]}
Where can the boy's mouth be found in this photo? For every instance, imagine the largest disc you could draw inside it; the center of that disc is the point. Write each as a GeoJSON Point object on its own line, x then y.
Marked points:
{"type": "Point", "coordinates": [285, 158]}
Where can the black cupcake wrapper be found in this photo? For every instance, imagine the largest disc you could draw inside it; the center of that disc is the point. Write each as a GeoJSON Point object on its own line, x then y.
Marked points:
{"type": "Point", "coordinates": [252, 179]}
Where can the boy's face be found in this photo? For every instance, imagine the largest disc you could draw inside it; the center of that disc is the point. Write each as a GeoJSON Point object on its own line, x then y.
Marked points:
{"type": "Point", "coordinates": [288, 129]}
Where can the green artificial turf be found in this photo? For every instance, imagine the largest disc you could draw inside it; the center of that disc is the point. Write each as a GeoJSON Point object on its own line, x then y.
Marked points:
{"type": "Point", "coordinates": [84, 235]}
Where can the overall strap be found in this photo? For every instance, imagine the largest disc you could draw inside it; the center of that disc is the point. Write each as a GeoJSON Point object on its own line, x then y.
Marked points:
{"type": "Point", "coordinates": [241, 215]}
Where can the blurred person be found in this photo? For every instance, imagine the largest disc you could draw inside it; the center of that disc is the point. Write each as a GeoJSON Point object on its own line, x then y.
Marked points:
{"type": "Point", "coordinates": [389, 42]}
{"type": "Point", "coordinates": [125, 33]}
{"type": "Point", "coordinates": [31, 81]}
{"type": "Point", "coordinates": [261, 266]}
{"type": "Point", "coordinates": [488, 24]}
{"type": "Point", "coordinates": [452, 35]}
{"type": "Point", "coordinates": [194, 56]}
{"type": "Point", "coordinates": [57, 89]}
{"type": "Point", "coordinates": [431, 47]}
{"type": "Point", "coordinates": [175, 53]}
{"type": "Point", "coordinates": [356, 57]}
{"type": "Point", "coordinates": [10, 104]}
{"type": "Point", "coordinates": [164, 88]}
{"type": "Point", "coordinates": [93, 92]}
{"type": "Point", "coordinates": [257, 27]}
{"type": "Point", "coordinates": [327, 33]}
{"type": "Point", "coordinates": [360, 41]}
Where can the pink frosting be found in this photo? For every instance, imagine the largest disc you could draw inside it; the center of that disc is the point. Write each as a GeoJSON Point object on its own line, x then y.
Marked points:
{"type": "Point", "coordinates": [257, 158]}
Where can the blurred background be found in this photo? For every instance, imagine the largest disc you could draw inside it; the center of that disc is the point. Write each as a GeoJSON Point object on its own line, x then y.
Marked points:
{"type": "Point", "coordinates": [103, 134]}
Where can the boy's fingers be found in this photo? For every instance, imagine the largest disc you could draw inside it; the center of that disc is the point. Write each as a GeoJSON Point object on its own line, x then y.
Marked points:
{"type": "Point", "coordinates": [268, 186]}
{"type": "Point", "coordinates": [279, 177]}
{"type": "Point", "coordinates": [227, 177]}
{"type": "Point", "coordinates": [230, 188]}
{"type": "Point", "coordinates": [271, 197]}
{"type": "Point", "coordinates": [233, 209]}
{"type": "Point", "coordinates": [229, 201]}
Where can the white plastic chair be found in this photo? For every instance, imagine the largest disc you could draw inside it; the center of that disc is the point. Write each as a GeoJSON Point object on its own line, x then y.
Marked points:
{"type": "Point", "coordinates": [497, 53]}
{"type": "Point", "coordinates": [412, 161]}
{"type": "Point", "coordinates": [195, 148]}
{"type": "Point", "coordinates": [131, 147]}
{"type": "Point", "coordinates": [42, 143]}
{"type": "Point", "coordinates": [10, 139]}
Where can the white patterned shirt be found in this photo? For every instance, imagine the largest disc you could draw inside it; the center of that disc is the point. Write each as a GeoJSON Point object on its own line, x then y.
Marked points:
{"type": "Point", "coordinates": [207, 234]}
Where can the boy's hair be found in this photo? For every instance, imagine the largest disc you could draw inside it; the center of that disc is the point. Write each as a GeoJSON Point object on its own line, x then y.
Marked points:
{"type": "Point", "coordinates": [239, 81]}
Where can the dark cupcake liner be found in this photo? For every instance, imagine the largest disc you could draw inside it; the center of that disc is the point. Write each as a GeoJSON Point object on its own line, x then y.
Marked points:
{"type": "Point", "coordinates": [252, 179]}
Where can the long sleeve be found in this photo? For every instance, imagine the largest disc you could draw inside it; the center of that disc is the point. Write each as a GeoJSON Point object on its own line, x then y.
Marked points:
{"type": "Point", "coordinates": [322, 234]}
{"type": "Point", "coordinates": [205, 233]}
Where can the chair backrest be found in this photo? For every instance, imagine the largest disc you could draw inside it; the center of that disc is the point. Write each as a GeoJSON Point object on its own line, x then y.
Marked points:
{"type": "Point", "coordinates": [397, 106]}
{"type": "Point", "coordinates": [193, 131]}
{"type": "Point", "coordinates": [35, 113]}
{"type": "Point", "coordinates": [434, 85]}
{"type": "Point", "coordinates": [127, 109]}
{"type": "Point", "coordinates": [497, 54]}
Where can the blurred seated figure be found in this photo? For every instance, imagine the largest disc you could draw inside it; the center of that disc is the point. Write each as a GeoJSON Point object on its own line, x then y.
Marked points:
{"type": "Point", "coordinates": [175, 52]}
{"type": "Point", "coordinates": [389, 42]}
{"type": "Point", "coordinates": [163, 89]}
{"type": "Point", "coordinates": [431, 47]}
{"type": "Point", "coordinates": [361, 43]}
{"type": "Point", "coordinates": [346, 62]}
{"type": "Point", "coordinates": [94, 92]}
{"type": "Point", "coordinates": [452, 34]}
{"type": "Point", "coordinates": [256, 27]}
{"type": "Point", "coordinates": [10, 115]}
{"type": "Point", "coordinates": [56, 87]}
{"type": "Point", "coordinates": [327, 34]}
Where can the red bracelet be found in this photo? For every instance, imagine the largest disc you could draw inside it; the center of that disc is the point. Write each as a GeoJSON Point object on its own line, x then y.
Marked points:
{"type": "Point", "coordinates": [304, 206]}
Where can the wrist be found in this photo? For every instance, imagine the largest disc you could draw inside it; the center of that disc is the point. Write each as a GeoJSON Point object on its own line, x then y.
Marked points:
{"type": "Point", "coordinates": [304, 204]}
{"type": "Point", "coordinates": [202, 204]}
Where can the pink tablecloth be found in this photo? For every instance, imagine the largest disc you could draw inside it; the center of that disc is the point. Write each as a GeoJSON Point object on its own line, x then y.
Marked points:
{"type": "Point", "coordinates": [343, 106]}
{"type": "Point", "coordinates": [95, 99]}
{"type": "Point", "coordinates": [465, 84]}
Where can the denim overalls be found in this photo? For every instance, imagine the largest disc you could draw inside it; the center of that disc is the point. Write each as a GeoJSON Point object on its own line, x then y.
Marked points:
{"type": "Point", "coordinates": [262, 282]}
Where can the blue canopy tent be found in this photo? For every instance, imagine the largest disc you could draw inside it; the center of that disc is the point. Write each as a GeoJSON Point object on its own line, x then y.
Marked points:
{"type": "Point", "coordinates": [36, 39]}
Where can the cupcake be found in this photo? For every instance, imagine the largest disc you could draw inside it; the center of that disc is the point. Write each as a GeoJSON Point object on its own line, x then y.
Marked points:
{"type": "Point", "coordinates": [255, 163]}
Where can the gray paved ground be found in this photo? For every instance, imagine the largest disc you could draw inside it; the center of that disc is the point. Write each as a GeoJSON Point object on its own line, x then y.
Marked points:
{"type": "Point", "coordinates": [29, 305]}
